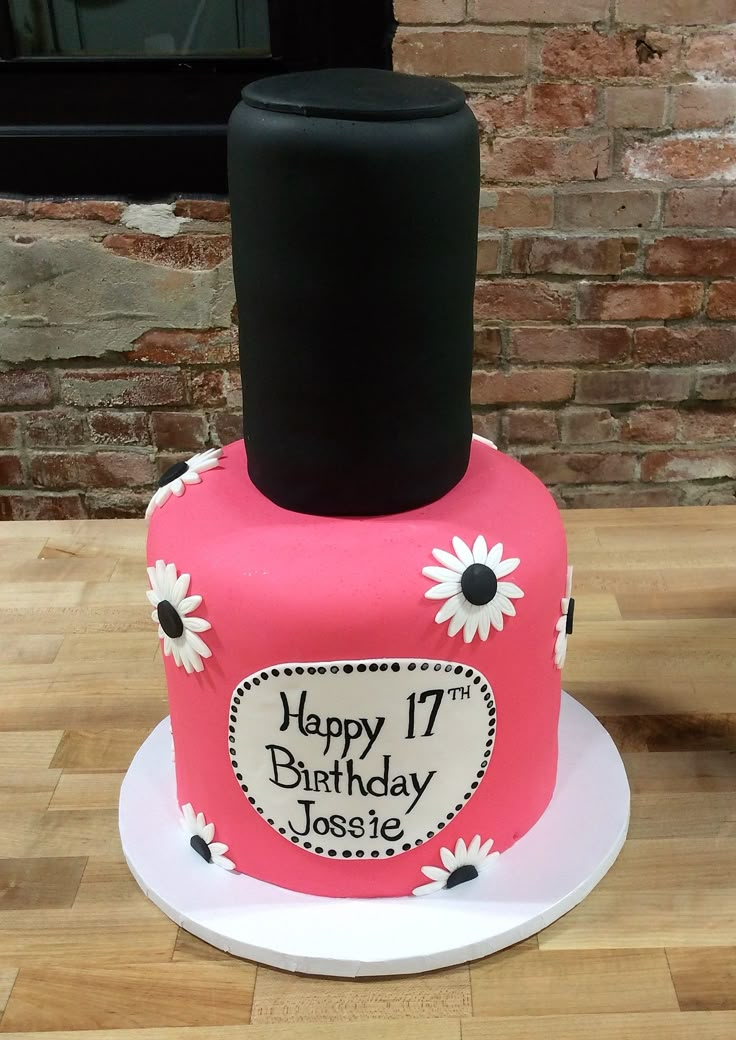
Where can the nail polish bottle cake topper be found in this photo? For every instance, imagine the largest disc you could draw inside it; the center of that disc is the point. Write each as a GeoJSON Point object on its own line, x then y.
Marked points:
{"type": "Point", "coordinates": [354, 198]}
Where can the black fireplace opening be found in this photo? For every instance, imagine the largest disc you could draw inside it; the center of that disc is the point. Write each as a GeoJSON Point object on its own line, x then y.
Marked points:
{"type": "Point", "coordinates": [131, 97]}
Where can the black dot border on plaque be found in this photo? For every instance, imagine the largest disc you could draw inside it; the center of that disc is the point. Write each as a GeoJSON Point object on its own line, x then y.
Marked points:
{"type": "Point", "coordinates": [372, 666]}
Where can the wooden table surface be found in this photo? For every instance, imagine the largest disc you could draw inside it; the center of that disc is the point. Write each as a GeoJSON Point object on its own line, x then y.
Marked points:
{"type": "Point", "coordinates": [650, 954]}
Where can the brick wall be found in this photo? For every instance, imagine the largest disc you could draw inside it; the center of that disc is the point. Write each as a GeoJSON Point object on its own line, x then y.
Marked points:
{"type": "Point", "coordinates": [606, 301]}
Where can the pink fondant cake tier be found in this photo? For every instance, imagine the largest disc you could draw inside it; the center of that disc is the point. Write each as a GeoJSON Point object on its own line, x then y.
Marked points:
{"type": "Point", "coordinates": [331, 736]}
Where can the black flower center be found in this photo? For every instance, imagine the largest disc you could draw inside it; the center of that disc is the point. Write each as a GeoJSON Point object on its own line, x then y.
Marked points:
{"type": "Point", "coordinates": [177, 470]}
{"type": "Point", "coordinates": [479, 584]}
{"type": "Point", "coordinates": [570, 615]}
{"type": "Point", "coordinates": [169, 619]}
{"type": "Point", "coordinates": [461, 875]}
{"type": "Point", "coordinates": [200, 845]}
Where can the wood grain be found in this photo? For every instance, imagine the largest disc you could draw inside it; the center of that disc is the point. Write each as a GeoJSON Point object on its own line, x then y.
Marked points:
{"type": "Point", "coordinates": [705, 979]}
{"type": "Point", "coordinates": [537, 982]}
{"type": "Point", "coordinates": [663, 1026]}
{"type": "Point", "coordinates": [649, 955]}
{"type": "Point", "coordinates": [280, 997]}
{"type": "Point", "coordinates": [35, 884]}
{"type": "Point", "coordinates": [86, 791]}
{"type": "Point", "coordinates": [148, 995]}
{"type": "Point", "coordinates": [445, 1029]}
{"type": "Point", "coordinates": [7, 981]}
{"type": "Point", "coordinates": [104, 751]}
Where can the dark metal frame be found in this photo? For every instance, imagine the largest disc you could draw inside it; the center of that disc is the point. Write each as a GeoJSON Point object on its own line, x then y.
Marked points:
{"type": "Point", "coordinates": [142, 127]}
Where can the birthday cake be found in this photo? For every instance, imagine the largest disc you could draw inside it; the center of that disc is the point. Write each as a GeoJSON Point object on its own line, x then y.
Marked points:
{"type": "Point", "coordinates": [363, 609]}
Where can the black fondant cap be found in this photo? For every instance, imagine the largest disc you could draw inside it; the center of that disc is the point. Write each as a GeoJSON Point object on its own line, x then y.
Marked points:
{"type": "Point", "coordinates": [362, 94]}
{"type": "Point", "coordinates": [354, 196]}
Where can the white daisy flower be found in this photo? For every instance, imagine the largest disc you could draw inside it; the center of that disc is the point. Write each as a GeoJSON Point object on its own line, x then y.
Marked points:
{"type": "Point", "coordinates": [201, 834]}
{"type": "Point", "coordinates": [470, 583]}
{"type": "Point", "coordinates": [564, 625]}
{"type": "Point", "coordinates": [172, 605]}
{"type": "Point", "coordinates": [176, 477]}
{"type": "Point", "coordinates": [464, 864]}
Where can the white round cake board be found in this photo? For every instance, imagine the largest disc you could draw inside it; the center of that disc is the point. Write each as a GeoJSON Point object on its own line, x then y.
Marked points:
{"type": "Point", "coordinates": [545, 874]}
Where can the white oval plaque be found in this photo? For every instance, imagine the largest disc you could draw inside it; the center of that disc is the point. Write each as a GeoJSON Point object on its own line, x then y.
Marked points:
{"type": "Point", "coordinates": [363, 759]}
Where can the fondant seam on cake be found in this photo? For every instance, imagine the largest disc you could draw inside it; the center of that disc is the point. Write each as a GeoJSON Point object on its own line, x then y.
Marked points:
{"type": "Point", "coordinates": [458, 866]}
{"type": "Point", "coordinates": [419, 723]}
{"type": "Point", "coordinates": [469, 582]}
{"type": "Point", "coordinates": [178, 630]}
{"type": "Point", "coordinates": [564, 625]}
{"type": "Point", "coordinates": [174, 481]}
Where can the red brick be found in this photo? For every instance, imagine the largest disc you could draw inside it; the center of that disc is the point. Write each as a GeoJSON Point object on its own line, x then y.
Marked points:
{"type": "Point", "coordinates": [459, 53]}
{"type": "Point", "coordinates": [24, 389]}
{"type": "Point", "coordinates": [530, 426]}
{"type": "Point", "coordinates": [108, 427]}
{"type": "Point", "coordinates": [716, 386]}
{"type": "Point", "coordinates": [622, 497]}
{"type": "Point", "coordinates": [722, 301]}
{"type": "Point", "coordinates": [633, 385]}
{"type": "Point", "coordinates": [613, 210]}
{"type": "Point", "coordinates": [226, 427]}
{"type": "Point", "coordinates": [675, 12]}
{"type": "Point", "coordinates": [76, 209]}
{"type": "Point", "coordinates": [540, 384]}
{"type": "Point", "coordinates": [499, 111]}
{"type": "Point", "coordinates": [489, 253]}
{"type": "Point", "coordinates": [708, 425]}
{"type": "Point", "coordinates": [186, 346]}
{"type": "Point", "coordinates": [123, 387]}
{"type": "Point", "coordinates": [54, 429]}
{"type": "Point", "coordinates": [195, 252]}
{"type": "Point", "coordinates": [429, 12]}
{"type": "Point", "coordinates": [520, 12]}
{"type": "Point", "coordinates": [662, 466]}
{"type": "Point", "coordinates": [704, 105]}
{"type": "Point", "coordinates": [546, 255]}
{"type": "Point", "coordinates": [650, 425]}
{"type": "Point", "coordinates": [202, 209]}
{"type": "Point", "coordinates": [94, 470]}
{"type": "Point", "coordinates": [34, 506]}
{"type": "Point", "coordinates": [682, 158]}
{"type": "Point", "coordinates": [516, 207]}
{"type": "Point", "coordinates": [548, 159]}
{"type": "Point", "coordinates": [106, 505]}
{"type": "Point", "coordinates": [581, 467]}
{"type": "Point", "coordinates": [561, 106]}
{"type": "Point", "coordinates": [635, 106]}
{"type": "Point", "coordinates": [713, 53]}
{"type": "Point", "coordinates": [631, 301]}
{"type": "Point", "coordinates": [587, 426]}
{"type": "Point", "coordinates": [215, 389]}
{"type": "Point", "coordinates": [701, 207]}
{"type": "Point", "coordinates": [486, 343]}
{"type": "Point", "coordinates": [11, 471]}
{"type": "Point", "coordinates": [573, 345]}
{"type": "Point", "coordinates": [708, 257]}
{"type": "Point", "coordinates": [522, 301]}
{"type": "Point", "coordinates": [487, 424]}
{"type": "Point", "coordinates": [12, 208]}
{"type": "Point", "coordinates": [179, 431]}
{"type": "Point", "coordinates": [9, 430]}
{"type": "Point", "coordinates": [587, 54]}
{"type": "Point", "coordinates": [691, 344]}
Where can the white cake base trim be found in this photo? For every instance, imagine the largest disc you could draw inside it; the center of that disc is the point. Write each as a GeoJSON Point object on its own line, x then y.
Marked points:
{"type": "Point", "coordinates": [539, 879]}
